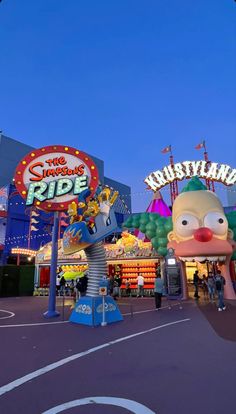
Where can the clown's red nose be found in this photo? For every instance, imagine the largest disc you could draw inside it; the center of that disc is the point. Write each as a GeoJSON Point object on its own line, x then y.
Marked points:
{"type": "Point", "coordinates": [203, 234]}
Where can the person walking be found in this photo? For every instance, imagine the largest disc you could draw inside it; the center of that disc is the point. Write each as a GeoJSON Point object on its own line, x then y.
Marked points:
{"type": "Point", "coordinates": [205, 287]}
{"type": "Point", "coordinates": [62, 285]}
{"type": "Point", "coordinates": [82, 284]}
{"type": "Point", "coordinates": [111, 284]}
{"type": "Point", "coordinates": [220, 283]}
{"type": "Point", "coordinates": [211, 286]}
{"type": "Point", "coordinates": [196, 283]}
{"type": "Point", "coordinates": [116, 289]}
{"type": "Point", "coordinates": [119, 283]}
{"type": "Point", "coordinates": [128, 287]}
{"type": "Point", "coordinates": [158, 290]}
{"type": "Point", "coordinates": [72, 287]}
{"type": "Point", "coordinates": [58, 284]}
{"type": "Point", "coordinates": [140, 283]}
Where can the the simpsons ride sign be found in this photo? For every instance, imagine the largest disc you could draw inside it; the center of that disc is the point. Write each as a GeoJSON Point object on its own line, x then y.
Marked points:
{"type": "Point", "coordinates": [52, 177]}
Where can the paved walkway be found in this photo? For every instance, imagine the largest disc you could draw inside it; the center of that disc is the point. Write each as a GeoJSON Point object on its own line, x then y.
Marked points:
{"type": "Point", "coordinates": [166, 362]}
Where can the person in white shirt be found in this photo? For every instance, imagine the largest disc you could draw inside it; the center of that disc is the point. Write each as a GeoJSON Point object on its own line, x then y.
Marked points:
{"type": "Point", "coordinates": [140, 282]}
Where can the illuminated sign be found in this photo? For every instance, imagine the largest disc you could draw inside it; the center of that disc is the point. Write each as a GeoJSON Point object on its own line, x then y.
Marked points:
{"type": "Point", "coordinates": [171, 262]}
{"type": "Point", "coordinates": [52, 177]}
{"type": "Point", "coordinates": [27, 252]}
{"type": "Point", "coordinates": [187, 169]}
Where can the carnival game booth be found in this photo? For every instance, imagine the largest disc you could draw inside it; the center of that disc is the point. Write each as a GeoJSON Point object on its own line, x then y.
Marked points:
{"type": "Point", "coordinates": [73, 266]}
{"type": "Point", "coordinates": [127, 258]}
{"type": "Point", "coordinates": [130, 257]}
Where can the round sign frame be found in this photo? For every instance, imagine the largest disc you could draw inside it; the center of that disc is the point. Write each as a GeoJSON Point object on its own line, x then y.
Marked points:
{"type": "Point", "coordinates": [48, 205]}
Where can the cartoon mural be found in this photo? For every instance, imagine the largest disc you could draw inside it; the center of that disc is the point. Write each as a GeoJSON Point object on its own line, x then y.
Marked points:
{"type": "Point", "coordinates": [199, 230]}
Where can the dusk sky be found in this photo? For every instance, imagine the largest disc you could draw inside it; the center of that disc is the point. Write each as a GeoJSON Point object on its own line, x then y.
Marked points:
{"type": "Point", "coordinates": [121, 79]}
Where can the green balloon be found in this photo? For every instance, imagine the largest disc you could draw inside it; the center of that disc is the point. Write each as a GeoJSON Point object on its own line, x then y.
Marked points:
{"type": "Point", "coordinates": [161, 221]}
{"type": "Point", "coordinates": [162, 251]}
{"type": "Point", "coordinates": [169, 225]}
{"type": "Point", "coordinates": [151, 226]}
{"type": "Point", "coordinates": [154, 216]}
{"type": "Point", "coordinates": [144, 220]}
{"type": "Point", "coordinates": [160, 231]}
{"type": "Point", "coordinates": [127, 223]}
{"type": "Point", "coordinates": [162, 241]}
{"type": "Point", "coordinates": [136, 223]}
{"type": "Point", "coordinates": [150, 234]}
{"type": "Point", "coordinates": [144, 215]}
{"type": "Point", "coordinates": [234, 256]}
{"type": "Point", "coordinates": [154, 242]}
{"type": "Point", "coordinates": [142, 227]}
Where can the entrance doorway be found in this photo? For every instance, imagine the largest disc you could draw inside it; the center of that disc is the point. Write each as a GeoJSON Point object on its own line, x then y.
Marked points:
{"type": "Point", "coordinates": [203, 270]}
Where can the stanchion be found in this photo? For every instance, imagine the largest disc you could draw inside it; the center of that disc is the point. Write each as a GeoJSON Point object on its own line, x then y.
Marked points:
{"type": "Point", "coordinates": [131, 306]}
{"type": "Point", "coordinates": [51, 312]}
{"type": "Point", "coordinates": [63, 305]}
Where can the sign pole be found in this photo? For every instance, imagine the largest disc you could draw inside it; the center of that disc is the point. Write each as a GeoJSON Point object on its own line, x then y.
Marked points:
{"type": "Point", "coordinates": [51, 312]}
{"type": "Point", "coordinates": [103, 312]}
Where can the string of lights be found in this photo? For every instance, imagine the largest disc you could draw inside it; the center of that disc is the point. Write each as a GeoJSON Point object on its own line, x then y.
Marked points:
{"type": "Point", "coordinates": [146, 192]}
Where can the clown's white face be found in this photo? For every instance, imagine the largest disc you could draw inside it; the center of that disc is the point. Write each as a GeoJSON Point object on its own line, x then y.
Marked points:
{"type": "Point", "coordinates": [198, 209]}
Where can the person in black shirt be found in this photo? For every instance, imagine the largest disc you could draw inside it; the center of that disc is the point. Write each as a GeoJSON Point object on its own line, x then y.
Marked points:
{"type": "Point", "coordinates": [82, 284]}
{"type": "Point", "coordinates": [196, 283]}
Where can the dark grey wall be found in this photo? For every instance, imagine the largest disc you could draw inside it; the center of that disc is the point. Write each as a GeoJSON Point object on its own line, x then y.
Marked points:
{"type": "Point", "coordinates": [11, 152]}
{"type": "Point", "coordinates": [123, 189]}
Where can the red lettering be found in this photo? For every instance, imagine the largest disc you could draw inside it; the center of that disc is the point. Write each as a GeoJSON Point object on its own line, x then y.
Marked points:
{"type": "Point", "coordinates": [81, 169]}
{"type": "Point", "coordinates": [64, 171]}
{"type": "Point", "coordinates": [58, 171]}
{"type": "Point", "coordinates": [38, 176]}
{"type": "Point", "coordinates": [56, 161]}
{"type": "Point", "coordinates": [50, 172]}
{"type": "Point", "coordinates": [50, 162]}
{"type": "Point", "coordinates": [62, 161]}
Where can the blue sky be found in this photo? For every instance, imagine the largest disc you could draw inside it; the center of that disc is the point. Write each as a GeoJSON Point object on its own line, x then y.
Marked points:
{"type": "Point", "coordinates": [121, 79]}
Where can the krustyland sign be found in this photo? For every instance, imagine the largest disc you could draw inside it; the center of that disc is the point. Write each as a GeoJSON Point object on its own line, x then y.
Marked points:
{"type": "Point", "coordinates": [52, 177]}
{"type": "Point", "coordinates": [208, 170]}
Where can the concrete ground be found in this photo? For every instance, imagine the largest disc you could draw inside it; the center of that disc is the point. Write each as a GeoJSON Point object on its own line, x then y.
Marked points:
{"type": "Point", "coordinates": [166, 362]}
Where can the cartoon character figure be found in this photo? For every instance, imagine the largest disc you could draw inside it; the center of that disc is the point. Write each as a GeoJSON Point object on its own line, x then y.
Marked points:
{"type": "Point", "coordinates": [201, 232]}
{"type": "Point", "coordinates": [72, 212]}
{"type": "Point", "coordinates": [90, 213]}
{"type": "Point", "coordinates": [106, 200]}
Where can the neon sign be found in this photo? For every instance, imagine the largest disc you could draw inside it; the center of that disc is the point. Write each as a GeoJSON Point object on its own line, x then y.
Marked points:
{"type": "Point", "coordinates": [52, 177]}
{"type": "Point", "coordinates": [208, 170]}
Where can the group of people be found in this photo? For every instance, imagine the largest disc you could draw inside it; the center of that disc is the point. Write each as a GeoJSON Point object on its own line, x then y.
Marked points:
{"type": "Point", "coordinates": [212, 285]}
{"type": "Point", "coordinates": [72, 288]}
{"type": "Point", "coordinates": [115, 283]}
{"type": "Point", "coordinates": [114, 286]}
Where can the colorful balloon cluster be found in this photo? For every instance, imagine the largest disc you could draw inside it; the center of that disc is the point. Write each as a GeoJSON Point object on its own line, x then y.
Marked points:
{"type": "Point", "coordinates": [155, 228]}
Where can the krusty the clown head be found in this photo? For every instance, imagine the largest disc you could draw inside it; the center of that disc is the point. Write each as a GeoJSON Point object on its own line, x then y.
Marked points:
{"type": "Point", "coordinates": [200, 227]}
